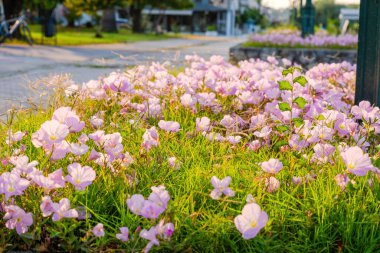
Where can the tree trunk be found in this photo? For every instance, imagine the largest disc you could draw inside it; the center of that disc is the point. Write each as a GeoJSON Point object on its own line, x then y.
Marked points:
{"type": "Point", "coordinates": [109, 20]}
{"type": "Point", "coordinates": [136, 11]}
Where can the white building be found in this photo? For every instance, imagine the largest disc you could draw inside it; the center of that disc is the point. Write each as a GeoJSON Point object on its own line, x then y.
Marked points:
{"type": "Point", "coordinates": [206, 15]}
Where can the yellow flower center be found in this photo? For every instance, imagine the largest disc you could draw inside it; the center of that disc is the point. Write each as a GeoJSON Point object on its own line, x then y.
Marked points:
{"type": "Point", "coordinates": [77, 181]}
{"type": "Point", "coordinates": [253, 224]}
{"type": "Point", "coordinates": [351, 165]}
{"type": "Point", "coordinates": [53, 137]}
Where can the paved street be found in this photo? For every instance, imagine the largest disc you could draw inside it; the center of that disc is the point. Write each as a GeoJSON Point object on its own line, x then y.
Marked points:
{"type": "Point", "coordinates": [21, 66]}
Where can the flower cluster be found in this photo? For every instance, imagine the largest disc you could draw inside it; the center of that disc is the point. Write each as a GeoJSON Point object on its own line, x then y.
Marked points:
{"type": "Point", "coordinates": [294, 39]}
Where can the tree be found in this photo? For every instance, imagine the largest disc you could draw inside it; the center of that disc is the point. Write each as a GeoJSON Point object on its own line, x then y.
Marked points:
{"type": "Point", "coordinates": [107, 22]}
{"type": "Point", "coordinates": [136, 7]}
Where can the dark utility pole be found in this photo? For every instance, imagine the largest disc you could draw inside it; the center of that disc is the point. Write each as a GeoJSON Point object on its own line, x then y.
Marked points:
{"type": "Point", "coordinates": [307, 18]}
{"type": "Point", "coordinates": [368, 66]}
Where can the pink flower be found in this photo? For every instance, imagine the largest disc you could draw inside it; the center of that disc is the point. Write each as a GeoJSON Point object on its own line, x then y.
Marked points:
{"type": "Point", "coordinates": [77, 149]}
{"type": "Point", "coordinates": [17, 219]}
{"type": "Point", "coordinates": [124, 234]}
{"type": "Point", "coordinates": [159, 196]}
{"type": "Point", "coordinates": [356, 161]}
{"type": "Point", "coordinates": [150, 235]}
{"type": "Point", "coordinates": [53, 132]}
{"type": "Point", "coordinates": [65, 115]}
{"type": "Point", "coordinates": [272, 184]}
{"type": "Point", "coordinates": [62, 210]}
{"type": "Point", "coordinates": [251, 221]}
{"type": "Point", "coordinates": [11, 184]}
{"type": "Point", "coordinates": [174, 163]}
{"type": "Point", "coordinates": [46, 206]}
{"type": "Point", "coordinates": [79, 176]}
{"type": "Point", "coordinates": [13, 138]}
{"type": "Point", "coordinates": [52, 181]}
{"type": "Point", "coordinates": [165, 231]}
{"type": "Point", "coordinates": [272, 166]}
{"type": "Point", "coordinates": [22, 164]}
{"type": "Point", "coordinates": [203, 124]}
{"type": "Point", "coordinates": [233, 139]}
{"type": "Point", "coordinates": [221, 187]}
{"type": "Point", "coordinates": [96, 122]}
{"type": "Point", "coordinates": [150, 138]}
{"type": "Point", "coordinates": [170, 126]}
{"type": "Point", "coordinates": [136, 203]}
{"type": "Point", "coordinates": [98, 230]}
{"type": "Point", "coordinates": [342, 180]}
{"type": "Point", "coordinates": [263, 133]}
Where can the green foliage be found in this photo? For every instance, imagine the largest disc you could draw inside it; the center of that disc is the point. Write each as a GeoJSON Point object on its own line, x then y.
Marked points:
{"type": "Point", "coordinates": [254, 15]}
{"type": "Point", "coordinates": [284, 85]}
{"type": "Point", "coordinates": [284, 106]}
{"type": "Point", "coordinates": [301, 80]}
{"type": "Point", "coordinates": [300, 101]}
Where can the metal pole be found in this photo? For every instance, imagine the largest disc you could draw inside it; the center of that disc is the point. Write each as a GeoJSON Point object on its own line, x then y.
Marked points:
{"type": "Point", "coordinates": [368, 66]}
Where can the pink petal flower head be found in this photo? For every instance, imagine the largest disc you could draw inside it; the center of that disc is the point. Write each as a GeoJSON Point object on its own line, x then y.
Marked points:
{"type": "Point", "coordinates": [272, 166]}
{"type": "Point", "coordinates": [170, 126]}
{"type": "Point", "coordinates": [14, 137]}
{"type": "Point", "coordinates": [124, 234]}
{"type": "Point", "coordinates": [53, 132]}
{"type": "Point", "coordinates": [98, 230]}
{"type": "Point", "coordinates": [151, 210]}
{"type": "Point", "coordinates": [22, 164]}
{"type": "Point", "coordinates": [93, 155]}
{"type": "Point", "coordinates": [52, 181]}
{"type": "Point", "coordinates": [136, 203]}
{"type": "Point", "coordinates": [165, 231]}
{"type": "Point", "coordinates": [251, 221]}
{"type": "Point", "coordinates": [65, 115]}
{"type": "Point", "coordinates": [272, 184]}
{"type": "Point", "coordinates": [174, 163]}
{"type": "Point", "coordinates": [150, 138]}
{"type": "Point", "coordinates": [221, 187]}
{"type": "Point", "coordinates": [17, 219]}
{"type": "Point", "coordinates": [342, 180]}
{"type": "Point", "coordinates": [160, 196]}
{"type": "Point", "coordinates": [62, 210]}
{"type": "Point", "coordinates": [356, 161]}
{"type": "Point", "coordinates": [79, 176]}
{"type": "Point", "coordinates": [150, 235]}
{"type": "Point", "coordinates": [11, 184]}
{"type": "Point", "coordinates": [203, 124]}
{"type": "Point", "coordinates": [78, 149]}
{"type": "Point", "coordinates": [233, 139]}
{"type": "Point", "coordinates": [46, 206]}
{"type": "Point", "coordinates": [263, 133]}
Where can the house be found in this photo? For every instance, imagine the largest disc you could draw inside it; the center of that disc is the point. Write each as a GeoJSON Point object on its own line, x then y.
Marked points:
{"type": "Point", "coordinates": [206, 15]}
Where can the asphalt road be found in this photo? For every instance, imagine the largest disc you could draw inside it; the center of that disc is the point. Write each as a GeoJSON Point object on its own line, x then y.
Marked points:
{"type": "Point", "coordinates": [23, 66]}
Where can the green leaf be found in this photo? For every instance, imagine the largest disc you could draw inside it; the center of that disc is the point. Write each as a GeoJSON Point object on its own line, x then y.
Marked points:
{"type": "Point", "coordinates": [321, 117]}
{"type": "Point", "coordinates": [285, 85]}
{"type": "Point", "coordinates": [300, 101]}
{"type": "Point", "coordinates": [279, 144]}
{"type": "Point", "coordinates": [285, 72]}
{"type": "Point", "coordinates": [301, 80]}
{"type": "Point", "coordinates": [298, 122]}
{"type": "Point", "coordinates": [282, 128]}
{"type": "Point", "coordinates": [284, 106]}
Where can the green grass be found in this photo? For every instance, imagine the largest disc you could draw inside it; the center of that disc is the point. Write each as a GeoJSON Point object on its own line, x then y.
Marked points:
{"type": "Point", "coordinates": [273, 45]}
{"type": "Point", "coordinates": [314, 217]}
{"type": "Point", "coordinates": [84, 36]}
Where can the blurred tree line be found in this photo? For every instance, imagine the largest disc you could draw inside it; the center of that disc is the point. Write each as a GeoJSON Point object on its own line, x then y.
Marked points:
{"type": "Point", "coordinates": [106, 22]}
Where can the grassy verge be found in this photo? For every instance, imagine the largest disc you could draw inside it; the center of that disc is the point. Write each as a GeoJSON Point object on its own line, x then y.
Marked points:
{"type": "Point", "coordinates": [273, 45]}
{"type": "Point", "coordinates": [85, 36]}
